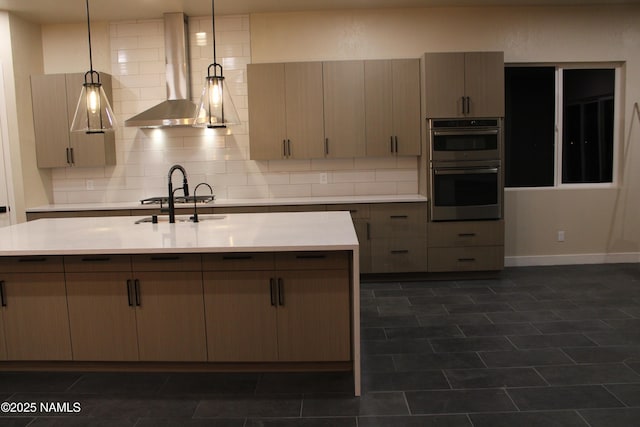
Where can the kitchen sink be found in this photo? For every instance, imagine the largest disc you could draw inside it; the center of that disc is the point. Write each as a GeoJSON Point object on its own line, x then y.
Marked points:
{"type": "Point", "coordinates": [179, 218]}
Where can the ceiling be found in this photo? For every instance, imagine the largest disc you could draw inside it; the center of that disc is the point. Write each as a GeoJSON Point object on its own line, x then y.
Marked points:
{"type": "Point", "coordinates": [73, 11]}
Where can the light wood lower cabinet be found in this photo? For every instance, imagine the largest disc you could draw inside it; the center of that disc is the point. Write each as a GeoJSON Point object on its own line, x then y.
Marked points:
{"type": "Point", "coordinates": [170, 316]}
{"type": "Point", "coordinates": [296, 312]}
{"type": "Point", "coordinates": [36, 325]}
{"type": "Point", "coordinates": [466, 246]}
{"type": "Point", "coordinates": [102, 316]}
{"type": "Point", "coordinates": [3, 347]}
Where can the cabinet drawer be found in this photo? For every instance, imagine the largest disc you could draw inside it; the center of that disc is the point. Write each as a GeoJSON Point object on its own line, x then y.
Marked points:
{"type": "Point", "coordinates": [398, 219]}
{"type": "Point", "coordinates": [357, 211]}
{"type": "Point", "coordinates": [167, 262]}
{"type": "Point", "coordinates": [398, 255]}
{"type": "Point", "coordinates": [89, 263]}
{"type": "Point", "coordinates": [31, 264]}
{"type": "Point", "coordinates": [473, 258]}
{"type": "Point", "coordinates": [310, 260]}
{"type": "Point", "coordinates": [237, 261]}
{"type": "Point", "coordinates": [466, 233]}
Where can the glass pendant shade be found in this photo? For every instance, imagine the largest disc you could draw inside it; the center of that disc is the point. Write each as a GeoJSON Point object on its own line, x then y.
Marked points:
{"type": "Point", "coordinates": [93, 111]}
{"type": "Point", "coordinates": [216, 109]}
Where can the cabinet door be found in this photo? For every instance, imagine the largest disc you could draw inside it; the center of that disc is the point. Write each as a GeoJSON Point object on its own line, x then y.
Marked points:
{"type": "Point", "coordinates": [379, 107]}
{"type": "Point", "coordinates": [170, 316]}
{"type": "Point", "coordinates": [267, 119]}
{"type": "Point", "coordinates": [484, 83]}
{"type": "Point", "coordinates": [406, 106]}
{"type": "Point", "coordinates": [241, 316]}
{"type": "Point", "coordinates": [96, 149]}
{"type": "Point", "coordinates": [50, 117]}
{"type": "Point", "coordinates": [344, 116]}
{"type": "Point", "coordinates": [304, 110]}
{"type": "Point", "coordinates": [102, 316]}
{"type": "Point", "coordinates": [444, 84]}
{"type": "Point", "coordinates": [313, 315]}
{"type": "Point", "coordinates": [35, 317]}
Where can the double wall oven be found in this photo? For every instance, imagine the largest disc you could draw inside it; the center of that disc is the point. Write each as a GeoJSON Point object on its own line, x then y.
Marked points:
{"type": "Point", "coordinates": [466, 170]}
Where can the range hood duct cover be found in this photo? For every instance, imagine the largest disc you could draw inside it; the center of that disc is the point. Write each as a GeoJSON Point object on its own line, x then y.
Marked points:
{"type": "Point", "coordinates": [177, 110]}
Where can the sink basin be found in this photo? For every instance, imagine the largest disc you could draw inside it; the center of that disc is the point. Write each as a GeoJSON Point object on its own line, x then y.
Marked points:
{"type": "Point", "coordinates": [179, 218]}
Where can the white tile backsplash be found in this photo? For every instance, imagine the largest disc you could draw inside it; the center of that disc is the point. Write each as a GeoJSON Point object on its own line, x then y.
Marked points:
{"type": "Point", "coordinates": [144, 156]}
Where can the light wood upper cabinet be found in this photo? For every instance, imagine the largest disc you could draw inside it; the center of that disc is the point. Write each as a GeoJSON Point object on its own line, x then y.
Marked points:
{"type": "Point", "coordinates": [54, 99]}
{"type": "Point", "coordinates": [344, 108]}
{"type": "Point", "coordinates": [463, 84]}
{"type": "Point", "coordinates": [286, 110]}
{"type": "Point", "coordinates": [392, 93]}
{"type": "Point", "coordinates": [36, 323]}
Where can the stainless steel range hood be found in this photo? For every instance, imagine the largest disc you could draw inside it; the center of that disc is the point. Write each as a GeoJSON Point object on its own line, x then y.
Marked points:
{"type": "Point", "coordinates": [177, 110]}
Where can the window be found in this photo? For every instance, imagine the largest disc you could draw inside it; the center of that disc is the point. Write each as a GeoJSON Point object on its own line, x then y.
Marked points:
{"type": "Point", "coordinates": [559, 126]}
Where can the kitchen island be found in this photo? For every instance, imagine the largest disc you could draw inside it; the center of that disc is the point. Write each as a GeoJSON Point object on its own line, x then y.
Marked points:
{"type": "Point", "coordinates": [238, 292]}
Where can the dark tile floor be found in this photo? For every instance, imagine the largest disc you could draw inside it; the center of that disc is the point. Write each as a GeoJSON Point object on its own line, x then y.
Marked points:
{"type": "Point", "coordinates": [543, 346]}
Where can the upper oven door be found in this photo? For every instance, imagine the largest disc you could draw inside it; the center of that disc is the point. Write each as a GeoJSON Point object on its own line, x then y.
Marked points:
{"type": "Point", "coordinates": [462, 143]}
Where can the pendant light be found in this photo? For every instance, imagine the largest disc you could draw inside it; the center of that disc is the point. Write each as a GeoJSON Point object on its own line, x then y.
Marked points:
{"type": "Point", "coordinates": [216, 109]}
{"type": "Point", "coordinates": [93, 111]}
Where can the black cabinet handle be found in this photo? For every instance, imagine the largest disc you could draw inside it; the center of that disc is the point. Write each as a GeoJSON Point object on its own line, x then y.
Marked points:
{"type": "Point", "coordinates": [136, 285]}
{"type": "Point", "coordinates": [272, 291]}
{"type": "Point", "coordinates": [396, 144]}
{"type": "Point", "coordinates": [129, 299]}
{"type": "Point", "coordinates": [391, 144]}
{"type": "Point", "coordinates": [165, 258]}
{"type": "Point", "coordinates": [96, 259]}
{"type": "Point", "coordinates": [68, 156]}
{"type": "Point", "coordinates": [30, 259]}
{"type": "Point", "coordinates": [464, 110]}
{"type": "Point", "coordinates": [280, 291]}
{"type": "Point", "coordinates": [398, 216]}
{"type": "Point", "coordinates": [326, 146]}
{"type": "Point", "coordinates": [368, 231]}
{"type": "Point", "coordinates": [311, 256]}
{"type": "Point", "coordinates": [236, 257]}
{"type": "Point", "coordinates": [73, 157]}
{"type": "Point", "coordinates": [3, 303]}
{"type": "Point", "coordinates": [400, 251]}
{"type": "Point", "coordinates": [466, 234]}
{"type": "Point", "coordinates": [466, 259]}
{"type": "Point", "coordinates": [284, 148]}
{"type": "Point", "coordinates": [289, 147]}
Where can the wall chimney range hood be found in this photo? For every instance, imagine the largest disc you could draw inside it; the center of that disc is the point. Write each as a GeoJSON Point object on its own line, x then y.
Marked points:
{"type": "Point", "coordinates": [177, 110]}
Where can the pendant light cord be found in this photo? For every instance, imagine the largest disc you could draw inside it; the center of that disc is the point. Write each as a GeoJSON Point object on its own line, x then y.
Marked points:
{"type": "Point", "coordinates": [213, 29]}
{"type": "Point", "coordinates": [89, 33]}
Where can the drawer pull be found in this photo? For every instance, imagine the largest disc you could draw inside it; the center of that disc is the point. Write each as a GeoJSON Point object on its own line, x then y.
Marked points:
{"type": "Point", "coordinates": [311, 256]}
{"type": "Point", "coordinates": [400, 251]}
{"type": "Point", "coordinates": [399, 216]}
{"type": "Point", "coordinates": [3, 303]}
{"type": "Point", "coordinates": [280, 291]}
{"type": "Point", "coordinates": [32, 260]}
{"type": "Point", "coordinates": [136, 285]}
{"type": "Point", "coordinates": [96, 259]}
{"type": "Point", "coordinates": [165, 258]}
{"type": "Point", "coordinates": [466, 259]}
{"type": "Point", "coordinates": [236, 257]}
{"type": "Point", "coordinates": [129, 299]}
{"type": "Point", "coordinates": [466, 234]}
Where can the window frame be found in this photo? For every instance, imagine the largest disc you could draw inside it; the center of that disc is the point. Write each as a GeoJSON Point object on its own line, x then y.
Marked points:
{"type": "Point", "coordinates": [618, 118]}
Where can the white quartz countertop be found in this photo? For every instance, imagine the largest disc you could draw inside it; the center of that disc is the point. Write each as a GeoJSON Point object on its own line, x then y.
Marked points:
{"type": "Point", "coordinates": [257, 232]}
{"type": "Point", "coordinates": [239, 202]}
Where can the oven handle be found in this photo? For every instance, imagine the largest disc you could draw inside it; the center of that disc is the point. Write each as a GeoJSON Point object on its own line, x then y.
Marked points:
{"type": "Point", "coordinates": [465, 132]}
{"type": "Point", "coordinates": [465, 171]}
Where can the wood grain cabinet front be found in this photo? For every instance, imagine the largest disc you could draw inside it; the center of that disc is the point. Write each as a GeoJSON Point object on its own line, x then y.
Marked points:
{"type": "Point", "coordinates": [288, 315]}
{"type": "Point", "coordinates": [464, 84]}
{"type": "Point", "coordinates": [54, 99]}
{"type": "Point", "coordinates": [34, 309]}
{"type": "Point", "coordinates": [466, 246]}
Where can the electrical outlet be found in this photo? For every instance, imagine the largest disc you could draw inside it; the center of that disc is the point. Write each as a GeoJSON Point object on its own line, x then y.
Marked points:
{"type": "Point", "coordinates": [560, 235]}
{"type": "Point", "coordinates": [89, 184]}
{"type": "Point", "coordinates": [323, 178]}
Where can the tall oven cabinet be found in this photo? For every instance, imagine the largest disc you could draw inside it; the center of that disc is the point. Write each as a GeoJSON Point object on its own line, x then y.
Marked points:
{"type": "Point", "coordinates": [464, 84]}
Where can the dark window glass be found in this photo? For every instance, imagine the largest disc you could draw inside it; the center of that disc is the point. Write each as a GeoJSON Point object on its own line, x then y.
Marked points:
{"type": "Point", "coordinates": [529, 126]}
{"type": "Point", "coordinates": [587, 142]}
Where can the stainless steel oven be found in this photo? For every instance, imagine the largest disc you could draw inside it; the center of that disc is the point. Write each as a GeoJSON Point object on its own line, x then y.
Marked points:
{"type": "Point", "coordinates": [465, 139]}
{"type": "Point", "coordinates": [469, 190]}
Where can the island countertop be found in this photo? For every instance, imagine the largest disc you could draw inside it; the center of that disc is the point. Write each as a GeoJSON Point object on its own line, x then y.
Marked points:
{"type": "Point", "coordinates": [260, 232]}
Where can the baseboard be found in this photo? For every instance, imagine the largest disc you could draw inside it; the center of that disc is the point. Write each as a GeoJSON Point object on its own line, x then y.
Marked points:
{"type": "Point", "coordinates": [569, 259]}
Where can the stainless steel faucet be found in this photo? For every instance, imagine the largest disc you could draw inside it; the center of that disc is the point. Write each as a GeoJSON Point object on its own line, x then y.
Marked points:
{"type": "Point", "coordinates": [184, 188]}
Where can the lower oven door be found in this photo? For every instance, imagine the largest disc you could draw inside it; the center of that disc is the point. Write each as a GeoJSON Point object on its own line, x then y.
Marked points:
{"type": "Point", "coordinates": [466, 192]}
